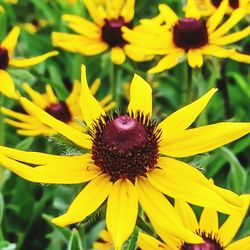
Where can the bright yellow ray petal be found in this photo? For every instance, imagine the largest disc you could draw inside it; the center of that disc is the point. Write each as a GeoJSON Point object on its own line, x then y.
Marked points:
{"type": "Point", "coordinates": [191, 10]}
{"type": "Point", "coordinates": [105, 100]}
{"type": "Point", "coordinates": [72, 134]}
{"type": "Point", "coordinates": [150, 243]}
{"type": "Point", "coordinates": [181, 181]}
{"type": "Point", "coordinates": [217, 17]}
{"type": "Point", "coordinates": [23, 63]}
{"type": "Point", "coordinates": [11, 40]}
{"type": "Point", "coordinates": [118, 55]}
{"type": "Point", "coordinates": [122, 211]}
{"type": "Point", "coordinates": [128, 10]}
{"type": "Point", "coordinates": [184, 117]}
{"type": "Point", "coordinates": [239, 57]}
{"type": "Point", "coordinates": [93, 11]}
{"type": "Point", "coordinates": [158, 208]}
{"type": "Point", "coordinates": [135, 54]}
{"type": "Point", "coordinates": [23, 125]}
{"type": "Point", "coordinates": [204, 139]}
{"type": "Point", "coordinates": [36, 132]}
{"type": "Point", "coordinates": [230, 227]}
{"type": "Point", "coordinates": [75, 93]}
{"type": "Point", "coordinates": [59, 173]}
{"type": "Point", "coordinates": [90, 107]}
{"type": "Point", "coordinates": [242, 244]}
{"type": "Point", "coordinates": [7, 86]}
{"type": "Point", "coordinates": [86, 202]}
{"type": "Point", "coordinates": [187, 215]}
{"type": "Point", "coordinates": [195, 58]}
{"type": "Point", "coordinates": [51, 95]}
{"type": "Point", "coordinates": [209, 222]}
{"type": "Point", "coordinates": [213, 50]}
{"type": "Point", "coordinates": [140, 96]}
{"type": "Point", "coordinates": [168, 14]}
{"type": "Point", "coordinates": [95, 86]}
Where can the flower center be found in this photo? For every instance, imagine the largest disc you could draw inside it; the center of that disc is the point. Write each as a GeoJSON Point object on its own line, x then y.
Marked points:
{"type": "Point", "coordinates": [125, 146]}
{"type": "Point", "coordinates": [4, 58]}
{"type": "Point", "coordinates": [234, 4]}
{"type": "Point", "coordinates": [205, 246]}
{"type": "Point", "coordinates": [111, 32]}
{"type": "Point", "coordinates": [60, 111]}
{"type": "Point", "coordinates": [190, 33]}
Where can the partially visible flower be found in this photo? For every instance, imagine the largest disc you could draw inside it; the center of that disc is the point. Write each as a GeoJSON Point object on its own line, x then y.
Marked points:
{"type": "Point", "coordinates": [215, 237]}
{"type": "Point", "coordinates": [104, 242]}
{"type": "Point", "coordinates": [128, 158]}
{"type": "Point", "coordinates": [67, 111]}
{"type": "Point", "coordinates": [35, 25]}
{"type": "Point", "coordinates": [190, 36]}
{"type": "Point", "coordinates": [7, 47]}
{"type": "Point", "coordinates": [11, 1]}
{"type": "Point", "coordinates": [104, 33]}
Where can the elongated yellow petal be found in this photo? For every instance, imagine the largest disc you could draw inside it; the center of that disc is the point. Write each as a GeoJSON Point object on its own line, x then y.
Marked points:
{"type": "Point", "coordinates": [158, 208]}
{"type": "Point", "coordinates": [7, 86]}
{"type": "Point", "coordinates": [181, 181]}
{"type": "Point", "coordinates": [242, 244]}
{"type": "Point", "coordinates": [91, 109]}
{"type": "Point", "coordinates": [168, 14]}
{"type": "Point", "coordinates": [118, 55]}
{"type": "Point", "coordinates": [150, 243]}
{"type": "Point", "coordinates": [135, 54]}
{"type": "Point", "coordinates": [191, 10]}
{"type": "Point", "coordinates": [11, 40]}
{"type": "Point", "coordinates": [95, 86]}
{"type": "Point", "coordinates": [128, 10]}
{"type": "Point", "coordinates": [229, 229]}
{"type": "Point", "coordinates": [217, 17]}
{"type": "Point", "coordinates": [209, 221]}
{"type": "Point", "coordinates": [51, 95]}
{"type": "Point", "coordinates": [75, 93]}
{"type": "Point", "coordinates": [184, 117]}
{"type": "Point", "coordinates": [204, 139]}
{"type": "Point", "coordinates": [187, 215]}
{"type": "Point", "coordinates": [72, 134]}
{"type": "Point", "coordinates": [195, 58]}
{"type": "Point", "coordinates": [24, 125]}
{"type": "Point", "coordinates": [56, 173]}
{"type": "Point", "coordinates": [239, 57]}
{"type": "Point", "coordinates": [23, 63]}
{"type": "Point", "coordinates": [86, 202]}
{"type": "Point", "coordinates": [213, 50]}
{"type": "Point", "coordinates": [140, 96]}
{"type": "Point", "coordinates": [122, 211]}
{"type": "Point", "coordinates": [93, 11]}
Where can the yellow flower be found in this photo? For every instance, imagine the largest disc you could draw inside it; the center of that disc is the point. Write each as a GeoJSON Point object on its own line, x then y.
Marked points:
{"type": "Point", "coordinates": [215, 237]}
{"type": "Point", "coordinates": [208, 7]}
{"type": "Point", "coordinates": [191, 36]}
{"type": "Point", "coordinates": [104, 33]}
{"type": "Point", "coordinates": [130, 159]}
{"type": "Point", "coordinates": [105, 242]}
{"type": "Point", "coordinates": [7, 47]}
{"type": "Point", "coordinates": [35, 25]}
{"type": "Point", "coordinates": [66, 111]}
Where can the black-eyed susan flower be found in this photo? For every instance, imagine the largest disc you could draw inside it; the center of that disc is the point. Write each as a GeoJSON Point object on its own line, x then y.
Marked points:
{"type": "Point", "coordinates": [131, 158]}
{"type": "Point", "coordinates": [190, 36]}
{"type": "Point", "coordinates": [215, 237]}
{"type": "Point", "coordinates": [7, 47]}
{"type": "Point", "coordinates": [104, 33]}
{"type": "Point", "coordinates": [67, 111]}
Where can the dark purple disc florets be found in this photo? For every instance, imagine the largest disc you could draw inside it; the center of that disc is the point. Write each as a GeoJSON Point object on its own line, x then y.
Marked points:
{"type": "Point", "coordinates": [60, 111]}
{"type": "Point", "coordinates": [4, 58]}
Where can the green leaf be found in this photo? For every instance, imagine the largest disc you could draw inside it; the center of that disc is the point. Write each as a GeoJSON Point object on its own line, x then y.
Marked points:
{"type": "Point", "coordinates": [131, 243]}
{"type": "Point", "coordinates": [75, 241]}
{"type": "Point", "coordinates": [25, 144]}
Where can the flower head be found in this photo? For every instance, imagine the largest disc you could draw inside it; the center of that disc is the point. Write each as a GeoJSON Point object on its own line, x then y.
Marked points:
{"type": "Point", "coordinates": [129, 159]}
{"type": "Point", "coordinates": [191, 36]}
{"type": "Point", "coordinates": [215, 237]}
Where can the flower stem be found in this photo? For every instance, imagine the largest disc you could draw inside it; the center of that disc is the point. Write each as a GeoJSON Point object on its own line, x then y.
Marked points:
{"type": "Point", "coordinates": [114, 83]}
{"type": "Point", "coordinates": [188, 85]}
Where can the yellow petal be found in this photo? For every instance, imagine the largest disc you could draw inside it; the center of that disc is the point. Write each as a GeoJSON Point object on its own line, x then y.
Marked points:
{"type": "Point", "coordinates": [242, 244]}
{"type": "Point", "coordinates": [181, 181]}
{"type": "Point", "coordinates": [128, 10]}
{"type": "Point", "coordinates": [75, 93]}
{"type": "Point", "coordinates": [195, 58]}
{"type": "Point", "coordinates": [23, 63]}
{"type": "Point", "coordinates": [86, 202]}
{"type": "Point", "coordinates": [158, 208]}
{"type": "Point", "coordinates": [95, 86]}
{"type": "Point", "coordinates": [93, 11]}
{"type": "Point", "coordinates": [204, 139]}
{"type": "Point", "coordinates": [62, 172]}
{"type": "Point", "coordinates": [191, 10]}
{"type": "Point", "coordinates": [168, 14]}
{"type": "Point", "coordinates": [239, 57]}
{"type": "Point", "coordinates": [7, 86]}
{"type": "Point", "coordinates": [184, 117]}
{"type": "Point", "coordinates": [213, 50]}
{"type": "Point", "coordinates": [117, 55]}
{"type": "Point", "coordinates": [209, 221]}
{"type": "Point", "coordinates": [150, 243]}
{"type": "Point", "coordinates": [122, 211]}
{"type": "Point", "coordinates": [72, 134]}
{"type": "Point", "coordinates": [187, 215]}
{"type": "Point", "coordinates": [51, 95]}
{"type": "Point", "coordinates": [11, 40]}
{"type": "Point", "coordinates": [140, 96]}
{"type": "Point", "coordinates": [91, 109]}
{"type": "Point", "coordinates": [230, 227]}
{"type": "Point", "coordinates": [217, 17]}
{"type": "Point", "coordinates": [135, 54]}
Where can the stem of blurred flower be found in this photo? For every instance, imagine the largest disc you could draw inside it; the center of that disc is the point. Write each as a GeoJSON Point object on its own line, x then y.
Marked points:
{"type": "Point", "coordinates": [1, 139]}
{"type": "Point", "coordinates": [188, 85]}
{"type": "Point", "coordinates": [114, 84]}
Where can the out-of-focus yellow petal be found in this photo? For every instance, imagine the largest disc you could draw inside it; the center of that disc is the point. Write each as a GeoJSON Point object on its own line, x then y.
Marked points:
{"type": "Point", "coordinates": [93, 11]}
{"type": "Point", "coordinates": [242, 244]}
{"type": "Point", "coordinates": [213, 50]}
{"type": "Point", "coordinates": [195, 58]}
{"type": "Point", "coordinates": [86, 202]}
{"type": "Point", "coordinates": [204, 139]}
{"type": "Point", "coordinates": [11, 40]}
{"type": "Point", "coordinates": [51, 95]}
{"type": "Point", "coordinates": [184, 117]}
{"type": "Point", "coordinates": [95, 86]}
{"type": "Point", "coordinates": [209, 221]}
{"type": "Point", "coordinates": [90, 107]}
{"type": "Point", "coordinates": [7, 86]}
{"type": "Point", "coordinates": [128, 10]}
{"type": "Point", "coordinates": [140, 96]}
{"type": "Point", "coordinates": [118, 55]}
{"type": "Point", "coordinates": [122, 211]}
{"type": "Point", "coordinates": [191, 10]}
{"type": "Point", "coordinates": [150, 243]}
{"type": "Point", "coordinates": [168, 14]}
{"type": "Point", "coordinates": [239, 57]}
{"type": "Point", "coordinates": [23, 63]}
